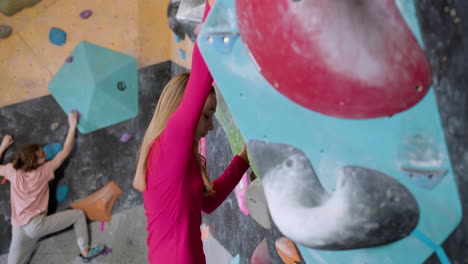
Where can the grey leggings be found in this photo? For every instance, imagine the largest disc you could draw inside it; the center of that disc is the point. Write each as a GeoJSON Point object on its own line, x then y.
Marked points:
{"type": "Point", "coordinates": [25, 237]}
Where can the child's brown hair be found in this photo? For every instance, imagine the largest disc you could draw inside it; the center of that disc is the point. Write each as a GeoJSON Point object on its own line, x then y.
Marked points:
{"type": "Point", "coordinates": [27, 159]}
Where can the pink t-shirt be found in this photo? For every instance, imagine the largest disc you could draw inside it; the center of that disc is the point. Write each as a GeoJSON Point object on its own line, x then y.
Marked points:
{"type": "Point", "coordinates": [29, 191]}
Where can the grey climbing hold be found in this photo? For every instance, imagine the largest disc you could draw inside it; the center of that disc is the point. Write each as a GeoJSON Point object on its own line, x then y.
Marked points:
{"type": "Point", "coordinates": [368, 208]}
{"type": "Point", "coordinates": [256, 203]}
{"type": "Point", "coordinates": [5, 31]}
{"type": "Point", "coordinates": [11, 7]}
{"type": "Point", "coordinates": [54, 126]}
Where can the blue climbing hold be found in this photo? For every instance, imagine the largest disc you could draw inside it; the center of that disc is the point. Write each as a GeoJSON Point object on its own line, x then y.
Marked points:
{"type": "Point", "coordinates": [57, 36]}
{"type": "Point", "coordinates": [62, 192]}
{"type": "Point", "coordinates": [176, 38]}
{"type": "Point", "coordinates": [51, 150]}
{"type": "Point", "coordinates": [236, 260]}
{"type": "Point", "coordinates": [182, 54]}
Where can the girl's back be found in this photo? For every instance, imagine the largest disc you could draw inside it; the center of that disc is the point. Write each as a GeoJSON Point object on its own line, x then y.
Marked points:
{"type": "Point", "coordinates": [29, 191]}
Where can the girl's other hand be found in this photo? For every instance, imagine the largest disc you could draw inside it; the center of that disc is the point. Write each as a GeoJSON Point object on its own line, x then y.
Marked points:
{"type": "Point", "coordinates": [6, 142]}
{"type": "Point", "coordinates": [244, 154]}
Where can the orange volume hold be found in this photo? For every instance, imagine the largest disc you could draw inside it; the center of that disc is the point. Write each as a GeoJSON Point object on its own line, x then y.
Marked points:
{"type": "Point", "coordinates": [287, 251]}
{"type": "Point", "coordinates": [98, 206]}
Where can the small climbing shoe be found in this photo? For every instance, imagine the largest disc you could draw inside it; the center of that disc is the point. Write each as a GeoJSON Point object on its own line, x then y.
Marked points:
{"type": "Point", "coordinates": [92, 253]}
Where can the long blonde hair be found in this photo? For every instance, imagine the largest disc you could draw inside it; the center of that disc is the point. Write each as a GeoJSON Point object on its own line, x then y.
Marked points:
{"type": "Point", "coordinates": [168, 102]}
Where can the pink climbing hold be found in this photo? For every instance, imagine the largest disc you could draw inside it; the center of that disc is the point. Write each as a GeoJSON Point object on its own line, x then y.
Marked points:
{"type": "Point", "coordinates": [77, 114]}
{"type": "Point", "coordinates": [86, 14]}
{"type": "Point", "coordinates": [260, 255]}
{"type": "Point", "coordinates": [69, 59]}
{"type": "Point", "coordinates": [126, 137]}
{"type": "Point", "coordinates": [197, 29]}
{"type": "Point", "coordinates": [102, 226]}
{"type": "Point", "coordinates": [240, 190]}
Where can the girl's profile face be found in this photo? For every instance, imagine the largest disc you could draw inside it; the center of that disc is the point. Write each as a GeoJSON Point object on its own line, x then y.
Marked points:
{"type": "Point", "coordinates": [41, 156]}
{"type": "Point", "coordinates": [205, 123]}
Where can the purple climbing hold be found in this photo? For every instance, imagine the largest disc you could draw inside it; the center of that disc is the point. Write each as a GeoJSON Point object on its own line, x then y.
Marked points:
{"type": "Point", "coordinates": [69, 59]}
{"type": "Point", "coordinates": [85, 14]}
{"type": "Point", "coordinates": [126, 137]}
{"type": "Point", "coordinates": [77, 114]}
{"type": "Point", "coordinates": [107, 251]}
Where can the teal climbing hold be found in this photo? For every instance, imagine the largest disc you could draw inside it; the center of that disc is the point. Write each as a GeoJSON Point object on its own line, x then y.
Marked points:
{"type": "Point", "coordinates": [62, 192]}
{"type": "Point", "coordinates": [57, 36]}
{"type": "Point", "coordinates": [176, 38]}
{"type": "Point", "coordinates": [236, 260]}
{"type": "Point", "coordinates": [51, 150]}
{"type": "Point", "coordinates": [101, 84]}
{"type": "Point", "coordinates": [182, 54]}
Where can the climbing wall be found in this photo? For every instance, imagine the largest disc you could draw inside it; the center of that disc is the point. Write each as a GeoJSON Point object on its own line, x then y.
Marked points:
{"type": "Point", "coordinates": [331, 169]}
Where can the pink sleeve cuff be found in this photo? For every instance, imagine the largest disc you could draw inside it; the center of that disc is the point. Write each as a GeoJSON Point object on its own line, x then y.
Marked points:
{"type": "Point", "coordinates": [243, 164]}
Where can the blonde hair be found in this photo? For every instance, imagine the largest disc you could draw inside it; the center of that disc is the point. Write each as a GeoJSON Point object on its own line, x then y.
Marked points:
{"type": "Point", "coordinates": [168, 102]}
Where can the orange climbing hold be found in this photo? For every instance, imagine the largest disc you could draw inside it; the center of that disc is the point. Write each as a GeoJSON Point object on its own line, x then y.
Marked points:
{"type": "Point", "coordinates": [98, 206]}
{"type": "Point", "coordinates": [287, 251]}
{"type": "Point", "coordinates": [205, 232]}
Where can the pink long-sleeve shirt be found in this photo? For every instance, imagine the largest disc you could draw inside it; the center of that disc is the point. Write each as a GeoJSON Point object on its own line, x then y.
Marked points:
{"type": "Point", "coordinates": [174, 196]}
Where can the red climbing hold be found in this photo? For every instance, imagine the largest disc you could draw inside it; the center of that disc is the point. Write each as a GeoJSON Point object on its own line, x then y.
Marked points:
{"type": "Point", "coordinates": [260, 255]}
{"type": "Point", "coordinates": [352, 59]}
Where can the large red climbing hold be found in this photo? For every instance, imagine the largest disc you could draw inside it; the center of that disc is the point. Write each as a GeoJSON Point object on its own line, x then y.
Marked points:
{"type": "Point", "coordinates": [352, 59]}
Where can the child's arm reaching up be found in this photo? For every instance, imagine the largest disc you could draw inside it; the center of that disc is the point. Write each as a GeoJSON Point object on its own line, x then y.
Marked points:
{"type": "Point", "coordinates": [6, 143]}
{"type": "Point", "coordinates": [68, 146]}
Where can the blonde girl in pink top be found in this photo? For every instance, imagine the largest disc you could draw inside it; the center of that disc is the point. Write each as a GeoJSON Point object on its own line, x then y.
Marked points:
{"type": "Point", "coordinates": [172, 174]}
{"type": "Point", "coordinates": [29, 177]}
